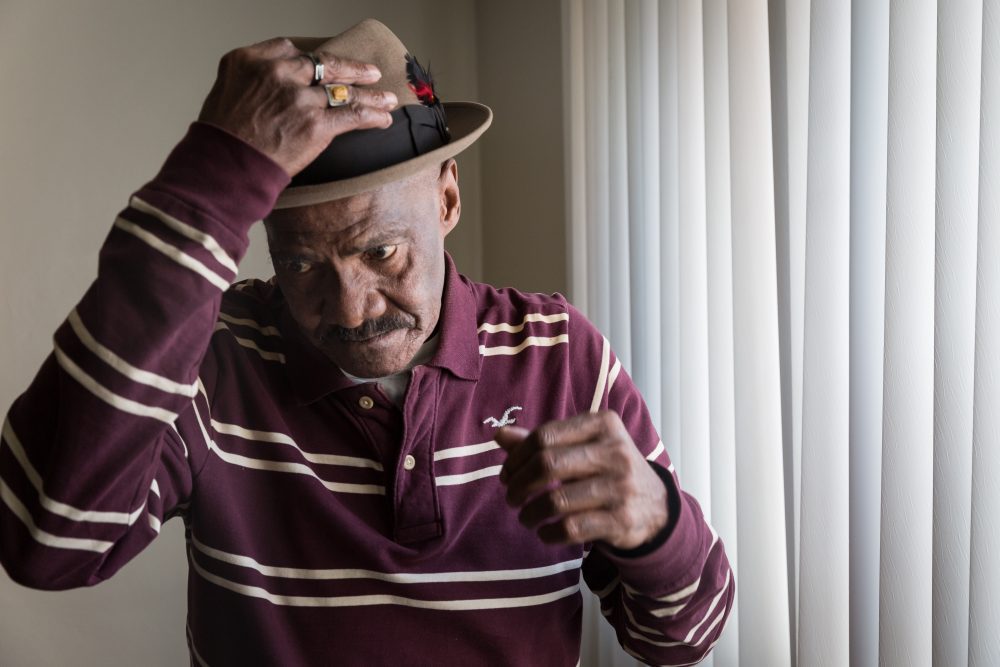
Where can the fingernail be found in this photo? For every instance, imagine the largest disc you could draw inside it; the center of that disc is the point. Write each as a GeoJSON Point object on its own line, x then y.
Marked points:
{"type": "Point", "coordinates": [513, 433]}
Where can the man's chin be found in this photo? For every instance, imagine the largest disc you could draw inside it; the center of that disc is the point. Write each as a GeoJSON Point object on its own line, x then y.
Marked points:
{"type": "Point", "coordinates": [376, 357]}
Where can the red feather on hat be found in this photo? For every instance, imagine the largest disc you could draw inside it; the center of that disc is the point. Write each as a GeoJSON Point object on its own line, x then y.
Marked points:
{"type": "Point", "coordinates": [420, 82]}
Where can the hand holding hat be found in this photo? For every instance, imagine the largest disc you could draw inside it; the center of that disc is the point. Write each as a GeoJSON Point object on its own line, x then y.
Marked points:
{"type": "Point", "coordinates": [291, 98]}
{"type": "Point", "coordinates": [265, 94]}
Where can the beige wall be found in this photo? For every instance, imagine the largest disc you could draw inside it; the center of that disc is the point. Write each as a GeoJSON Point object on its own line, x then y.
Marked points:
{"type": "Point", "coordinates": [93, 97]}
{"type": "Point", "coordinates": [523, 209]}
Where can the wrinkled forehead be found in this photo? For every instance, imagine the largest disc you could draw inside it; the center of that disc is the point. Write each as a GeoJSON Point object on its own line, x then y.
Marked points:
{"type": "Point", "coordinates": [331, 218]}
{"type": "Point", "coordinates": [388, 206]}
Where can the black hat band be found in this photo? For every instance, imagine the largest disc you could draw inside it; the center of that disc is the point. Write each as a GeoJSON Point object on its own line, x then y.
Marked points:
{"type": "Point", "coordinates": [416, 129]}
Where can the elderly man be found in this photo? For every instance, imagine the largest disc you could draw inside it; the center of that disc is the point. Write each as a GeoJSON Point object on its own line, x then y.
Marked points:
{"type": "Point", "coordinates": [377, 460]}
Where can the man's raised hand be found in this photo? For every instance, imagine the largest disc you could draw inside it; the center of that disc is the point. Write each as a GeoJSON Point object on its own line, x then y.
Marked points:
{"type": "Point", "coordinates": [582, 480]}
{"type": "Point", "coordinates": [262, 95]}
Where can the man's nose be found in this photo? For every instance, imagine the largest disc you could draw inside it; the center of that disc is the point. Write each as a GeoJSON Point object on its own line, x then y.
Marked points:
{"type": "Point", "coordinates": [351, 300]}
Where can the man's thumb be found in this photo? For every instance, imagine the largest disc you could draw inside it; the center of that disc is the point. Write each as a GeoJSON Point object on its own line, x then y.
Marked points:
{"type": "Point", "coordinates": [509, 436]}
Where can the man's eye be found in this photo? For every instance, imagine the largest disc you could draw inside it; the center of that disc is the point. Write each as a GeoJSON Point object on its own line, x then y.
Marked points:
{"type": "Point", "coordinates": [382, 252]}
{"type": "Point", "coordinates": [292, 265]}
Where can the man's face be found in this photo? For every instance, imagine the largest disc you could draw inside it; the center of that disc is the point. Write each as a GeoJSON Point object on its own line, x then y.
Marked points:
{"type": "Point", "coordinates": [363, 275]}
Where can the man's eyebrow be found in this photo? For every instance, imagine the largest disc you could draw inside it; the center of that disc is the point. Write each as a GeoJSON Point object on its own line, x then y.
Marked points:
{"type": "Point", "coordinates": [288, 246]}
{"type": "Point", "coordinates": [381, 237]}
{"type": "Point", "coordinates": [290, 238]}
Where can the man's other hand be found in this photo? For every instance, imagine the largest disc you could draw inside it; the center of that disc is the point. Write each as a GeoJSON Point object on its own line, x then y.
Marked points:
{"type": "Point", "coordinates": [582, 480]}
{"type": "Point", "coordinates": [262, 95]}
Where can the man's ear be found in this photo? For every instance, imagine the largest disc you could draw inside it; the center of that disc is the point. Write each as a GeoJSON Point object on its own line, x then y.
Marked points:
{"type": "Point", "coordinates": [449, 197]}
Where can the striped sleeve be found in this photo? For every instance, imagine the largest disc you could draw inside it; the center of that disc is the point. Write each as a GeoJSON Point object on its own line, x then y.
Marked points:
{"type": "Point", "coordinates": [668, 602]}
{"type": "Point", "coordinates": [91, 460]}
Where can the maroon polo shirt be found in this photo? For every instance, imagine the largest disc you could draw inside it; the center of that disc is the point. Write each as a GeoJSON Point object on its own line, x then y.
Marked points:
{"type": "Point", "coordinates": [325, 524]}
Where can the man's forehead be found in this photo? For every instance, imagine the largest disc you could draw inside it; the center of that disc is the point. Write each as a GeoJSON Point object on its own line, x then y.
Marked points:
{"type": "Point", "coordinates": [332, 215]}
{"type": "Point", "coordinates": [382, 206]}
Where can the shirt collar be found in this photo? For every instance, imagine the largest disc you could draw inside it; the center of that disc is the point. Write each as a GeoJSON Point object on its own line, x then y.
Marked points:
{"type": "Point", "coordinates": [312, 375]}
{"type": "Point", "coordinates": [458, 351]}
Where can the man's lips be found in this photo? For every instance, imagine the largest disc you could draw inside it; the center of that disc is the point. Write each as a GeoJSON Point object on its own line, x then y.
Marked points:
{"type": "Point", "coordinates": [365, 341]}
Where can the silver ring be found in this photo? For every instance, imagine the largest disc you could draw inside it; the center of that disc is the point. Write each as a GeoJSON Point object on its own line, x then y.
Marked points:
{"type": "Point", "coordinates": [318, 69]}
{"type": "Point", "coordinates": [337, 94]}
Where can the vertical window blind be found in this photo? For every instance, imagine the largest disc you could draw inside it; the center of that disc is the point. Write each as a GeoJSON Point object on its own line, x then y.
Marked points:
{"type": "Point", "coordinates": [785, 215]}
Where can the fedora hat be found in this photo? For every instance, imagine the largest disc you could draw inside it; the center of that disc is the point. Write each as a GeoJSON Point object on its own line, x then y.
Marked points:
{"type": "Point", "coordinates": [424, 130]}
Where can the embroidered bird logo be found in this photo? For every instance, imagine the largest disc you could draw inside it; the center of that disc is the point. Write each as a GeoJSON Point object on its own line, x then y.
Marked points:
{"type": "Point", "coordinates": [505, 420]}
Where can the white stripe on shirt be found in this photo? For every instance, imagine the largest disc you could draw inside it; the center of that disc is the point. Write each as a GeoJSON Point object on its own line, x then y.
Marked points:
{"type": "Point", "coordinates": [636, 624]}
{"type": "Point", "coordinates": [369, 600]}
{"type": "Point", "coordinates": [242, 321]}
{"type": "Point", "coordinates": [656, 452]}
{"type": "Point", "coordinates": [108, 396]}
{"type": "Point", "coordinates": [517, 328]}
{"type": "Point", "coordinates": [530, 341]}
{"type": "Point", "coordinates": [718, 619]}
{"type": "Point", "coordinates": [251, 345]}
{"type": "Point", "coordinates": [43, 537]}
{"type": "Point", "coordinates": [282, 439]}
{"type": "Point", "coordinates": [54, 506]}
{"type": "Point", "coordinates": [676, 596]}
{"type": "Point", "coordinates": [465, 450]}
{"type": "Point", "coordinates": [207, 241]}
{"type": "Point", "coordinates": [465, 477]}
{"type": "Point", "coordinates": [125, 368]}
{"type": "Point", "coordinates": [613, 375]}
{"type": "Point", "coordinates": [281, 466]}
{"type": "Point", "coordinates": [602, 376]}
{"type": "Point", "coordinates": [603, 593]}
{"type": "Point", "coordinates": [711, 608]}
{"type": "Point", "coordinates": [390, 577]}
{"type": "Point", "coordinates": [173, 252]}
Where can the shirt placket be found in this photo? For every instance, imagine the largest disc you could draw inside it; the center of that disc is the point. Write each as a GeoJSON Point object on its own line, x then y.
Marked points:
{"type": "Point", "coordinates": [417, 511]}
{"type": "Point", "coordinates": [404, 442]}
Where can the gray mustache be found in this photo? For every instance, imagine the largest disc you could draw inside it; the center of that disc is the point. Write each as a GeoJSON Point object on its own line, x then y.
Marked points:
{"type": "Point", "coordinates": [369, 329]}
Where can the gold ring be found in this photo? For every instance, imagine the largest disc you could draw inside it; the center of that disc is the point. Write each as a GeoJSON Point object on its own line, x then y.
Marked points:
{"type": "Point", "coordinates": [337, 94]}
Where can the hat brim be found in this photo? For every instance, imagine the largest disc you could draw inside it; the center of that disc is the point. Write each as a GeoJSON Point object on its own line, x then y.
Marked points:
{"type": "Point", "coordinates": [466, 121]}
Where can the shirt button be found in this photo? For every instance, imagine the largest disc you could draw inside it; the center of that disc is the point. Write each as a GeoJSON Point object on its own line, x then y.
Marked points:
{"type": "Point", "coordinates": [409, 462]}
{"type": "Point", "coordinates": [366, 402]}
